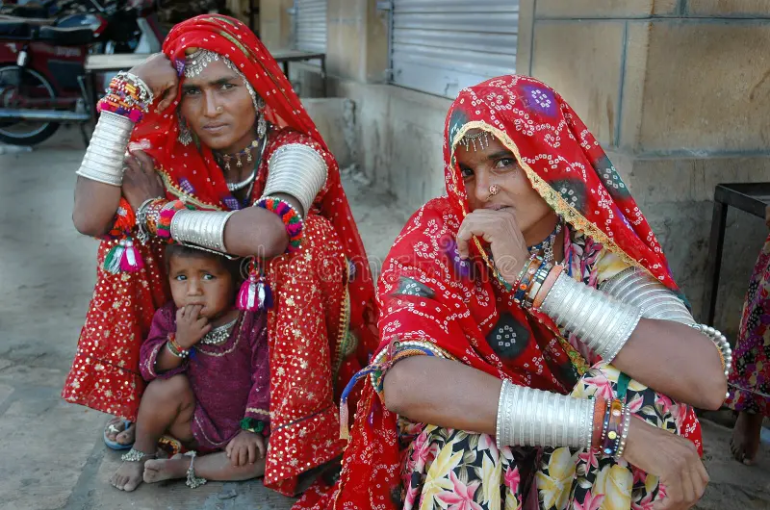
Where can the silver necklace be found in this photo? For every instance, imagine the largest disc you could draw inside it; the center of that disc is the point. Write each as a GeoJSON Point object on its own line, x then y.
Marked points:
{"type": "Point", "coordinates": [218, 336]}
{"type": "Point", "coordinates": [237, 186]}
{"type": "Point", "coordinates": [546, 247]}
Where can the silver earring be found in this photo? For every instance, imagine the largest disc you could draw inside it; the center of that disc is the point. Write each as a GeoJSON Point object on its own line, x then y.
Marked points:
{"type": "Point", "coordinates": [261, 125]}
{"type": "Point", "coordinates": [261, 121]}
{"type": "Point", "coordinates": [185, 136]}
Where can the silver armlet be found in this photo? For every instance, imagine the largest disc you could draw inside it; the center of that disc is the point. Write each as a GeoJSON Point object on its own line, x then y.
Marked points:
{"type": "Point", "coordinates": [297, 170]}
{"type": "Point", "coordinates": [635, 287]}
{"type": "Point", "coordinates": [638, 288]}
{"type": "Point", "coordinates": [530, 417]}
{"type": "Point", "coordinates": [201, 229]}
{"type": "Point", "coordinates": [103, 161]}
{"type": "Point", "coordinates": [601, 322]}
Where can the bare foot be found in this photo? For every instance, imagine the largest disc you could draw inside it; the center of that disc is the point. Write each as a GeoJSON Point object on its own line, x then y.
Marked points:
{"type": "Point", "coordinates": [745, 441]}
{"type": "Point", "coordinates": [128, 476]}
{"type": "Point", "coordinates": [166, 469]}
{"type": "Point", "coordinates": [116, 431]}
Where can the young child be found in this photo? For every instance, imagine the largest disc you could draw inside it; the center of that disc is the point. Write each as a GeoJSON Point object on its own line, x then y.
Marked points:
{"type": "Point", "coordinates": [207, 364]}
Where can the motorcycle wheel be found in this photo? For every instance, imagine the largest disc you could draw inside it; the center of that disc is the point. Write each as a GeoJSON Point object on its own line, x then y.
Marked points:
{"type": "Point", "coordinates": [12, 92]}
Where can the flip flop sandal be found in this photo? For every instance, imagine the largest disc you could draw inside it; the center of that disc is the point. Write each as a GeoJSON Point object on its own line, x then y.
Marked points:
{"type": "Point", "coordinates": [114, 445]}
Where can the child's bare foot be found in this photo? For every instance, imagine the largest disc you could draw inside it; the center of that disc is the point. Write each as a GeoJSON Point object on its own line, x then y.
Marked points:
{"type": "Point", "coordinates": [166, 469]}
{"type": "Point", "coordinates": [129, 475]}
{"type": "Point", "coordinates": [115, 430]}
{"type": "Point", "coordinates": [746, 437]}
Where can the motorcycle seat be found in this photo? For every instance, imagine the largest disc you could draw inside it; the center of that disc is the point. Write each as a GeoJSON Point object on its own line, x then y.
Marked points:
{"type": "Point", "coordinates": [65, 36]}
{"type": "Point", "coordinates": [14, 29]}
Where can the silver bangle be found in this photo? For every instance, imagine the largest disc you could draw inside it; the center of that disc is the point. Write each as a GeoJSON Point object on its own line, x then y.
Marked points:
{"type": "Point", "coordinates": [636, 287]}
{"type": "Point", "coordinates": [201, 229]}
{"type": "Point", "coordinates": [103, 161]}
{"type": "Point", "coordinates": [721, 343]}
{"type": "Point", "coordinates": [297, 170]}
{"type": "Point", "coordinates": [575, 312]}
{"type": "Point", "coordinates": [624, 435]}
{"type": "Point", "coordinates": [545, 419]}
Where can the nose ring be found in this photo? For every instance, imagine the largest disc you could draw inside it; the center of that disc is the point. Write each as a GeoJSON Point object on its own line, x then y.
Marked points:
{"type": "Point", "coordinates": [220, 108]}
{"type": "Point", "coordinates": [493, 190]}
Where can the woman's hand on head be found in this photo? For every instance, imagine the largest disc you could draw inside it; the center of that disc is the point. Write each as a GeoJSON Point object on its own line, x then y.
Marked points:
{"type": "Point", "coordinates": [673, 459]}
{"type": "Point", "coordinates": [140, 181]}
{"type": "Point", "coordinates": [160, 75]}
{"type": "Point", "coordinates": [500, 230]}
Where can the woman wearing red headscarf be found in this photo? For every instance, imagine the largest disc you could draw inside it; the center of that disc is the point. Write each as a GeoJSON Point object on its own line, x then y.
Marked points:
{"type": "Point", "coordinates": [227, 160]}
{"type": "Point", "coordinates": [502, 306]}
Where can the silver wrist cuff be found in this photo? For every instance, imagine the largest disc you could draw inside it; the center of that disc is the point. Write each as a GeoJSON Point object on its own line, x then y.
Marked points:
{"type": "Point", "coordinates": [601, 322]}
{"type": "Point", "coordinates": [201, 229]}
{"type": "Point", "coordinates": [103, 161]}
{"type": "Point", "coordinates": [530, 417]}
{"type": "Point", "coordinates": [298, 170]}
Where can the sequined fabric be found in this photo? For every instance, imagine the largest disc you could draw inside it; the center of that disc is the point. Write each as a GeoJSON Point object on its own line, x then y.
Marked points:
{"type": "Point", "coordinates": [312, 355]}
{"type": "Point", "coordinates": [230, 381]}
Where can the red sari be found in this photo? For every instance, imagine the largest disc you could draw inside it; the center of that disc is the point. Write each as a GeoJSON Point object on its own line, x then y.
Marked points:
{"type": "Point", "coordinates": [320, 330]}
{"type": "Point", "coordinates": [432, 304]}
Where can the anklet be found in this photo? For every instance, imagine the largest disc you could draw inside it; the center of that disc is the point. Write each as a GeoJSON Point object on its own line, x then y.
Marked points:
{"type": "Point", "coordinates": [193, 481]}
{"type": "Point", "coordinates": [134, 455]}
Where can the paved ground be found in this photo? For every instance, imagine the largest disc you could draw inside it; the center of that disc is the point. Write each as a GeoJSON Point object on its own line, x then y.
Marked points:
{"type": "Point", "coordinates": [51, 453]}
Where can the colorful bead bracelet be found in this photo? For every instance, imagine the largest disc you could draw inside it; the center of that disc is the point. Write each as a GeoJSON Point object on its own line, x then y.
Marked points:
{"type": "Point", "coordinates": [290, 217]}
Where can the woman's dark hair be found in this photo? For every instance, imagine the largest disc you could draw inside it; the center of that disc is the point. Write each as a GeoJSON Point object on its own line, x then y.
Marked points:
{"type": "Point", "coordinates": [232, 266]}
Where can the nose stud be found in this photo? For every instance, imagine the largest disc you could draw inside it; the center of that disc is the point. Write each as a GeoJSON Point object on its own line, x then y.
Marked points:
{"type": "Point", "coordinates": [493, 190]}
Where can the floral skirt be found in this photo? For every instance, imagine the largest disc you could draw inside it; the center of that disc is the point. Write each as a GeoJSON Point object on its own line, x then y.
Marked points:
{"type": "Point", "coordinates": [749, 382]}
{"type": "Point", "coordinates": [447, 468]}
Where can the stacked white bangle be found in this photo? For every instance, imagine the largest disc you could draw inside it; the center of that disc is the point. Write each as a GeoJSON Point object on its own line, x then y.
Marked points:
{"type": "Point", "coordinates": [638, 288]}
{"type": "Point", "coordinates": [603, 324]}
{"type": "Point", "coordinates": [530, 417]}
{"type": "Point", "coordinates": [297, 170]}
{"type": "Point", "coordinates": [103, 161]}
{"type": "Point", "coordinates": [201, 229]}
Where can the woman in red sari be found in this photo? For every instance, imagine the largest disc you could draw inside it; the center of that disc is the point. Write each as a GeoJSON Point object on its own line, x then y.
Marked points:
{"type": "Point", "coordinates": [226, 131]}
{"type": "Point", "coordinates": [502, 306]}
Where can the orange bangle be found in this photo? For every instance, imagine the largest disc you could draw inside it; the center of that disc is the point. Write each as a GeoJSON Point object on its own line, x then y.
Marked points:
{"type": "Point", "coordinates": [599, 411]}
{"type": "Point", "coordinates": [546, 287]}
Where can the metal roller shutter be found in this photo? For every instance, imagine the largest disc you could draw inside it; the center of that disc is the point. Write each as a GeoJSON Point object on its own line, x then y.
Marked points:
{"type": "Point", "coordinates": [310, 19]}
{"type": "Point", "coordinates": [442, 46]}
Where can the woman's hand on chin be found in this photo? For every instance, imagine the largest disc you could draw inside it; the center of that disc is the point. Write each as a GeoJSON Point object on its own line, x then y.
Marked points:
{"type": "Point", "coordinates": [500, 230]}
{"type": "Point", "coordinates": [158, 73]}
{"type": "Point", "coordinates": [673, 459]}
{"type": "Point", "coordinates": [140, 181]}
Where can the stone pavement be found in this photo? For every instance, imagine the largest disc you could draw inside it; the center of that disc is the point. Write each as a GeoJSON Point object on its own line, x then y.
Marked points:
{"type": "Point", "coordinates": [51, 453]}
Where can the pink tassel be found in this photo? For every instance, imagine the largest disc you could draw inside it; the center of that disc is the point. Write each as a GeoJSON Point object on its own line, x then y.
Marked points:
{"type": "Point", "coordinates": [131, 261]}
{"type": "Point", "coordinates": [248, 296]}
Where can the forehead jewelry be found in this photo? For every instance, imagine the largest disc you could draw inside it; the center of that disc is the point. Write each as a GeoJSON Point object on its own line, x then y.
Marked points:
{"type": "Point", "coordinates": [196, 62]}
{"type": "Point", "coordinates": [479, 140]}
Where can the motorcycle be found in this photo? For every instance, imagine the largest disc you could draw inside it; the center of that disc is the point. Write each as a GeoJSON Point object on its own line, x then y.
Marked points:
{"type": "Point", "coordinates": [42, 80]}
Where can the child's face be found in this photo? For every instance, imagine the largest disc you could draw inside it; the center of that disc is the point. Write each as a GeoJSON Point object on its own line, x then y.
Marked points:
{"type": "Point", "coordinates": [201, 281]}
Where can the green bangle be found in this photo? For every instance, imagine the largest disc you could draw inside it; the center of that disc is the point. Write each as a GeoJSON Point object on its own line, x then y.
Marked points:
{"type": "Point", "coordinates": [253, 425]}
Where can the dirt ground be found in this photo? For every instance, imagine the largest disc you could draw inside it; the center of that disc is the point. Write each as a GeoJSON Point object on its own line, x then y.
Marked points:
{"type": "Point", "coordinates": [51, 453]}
